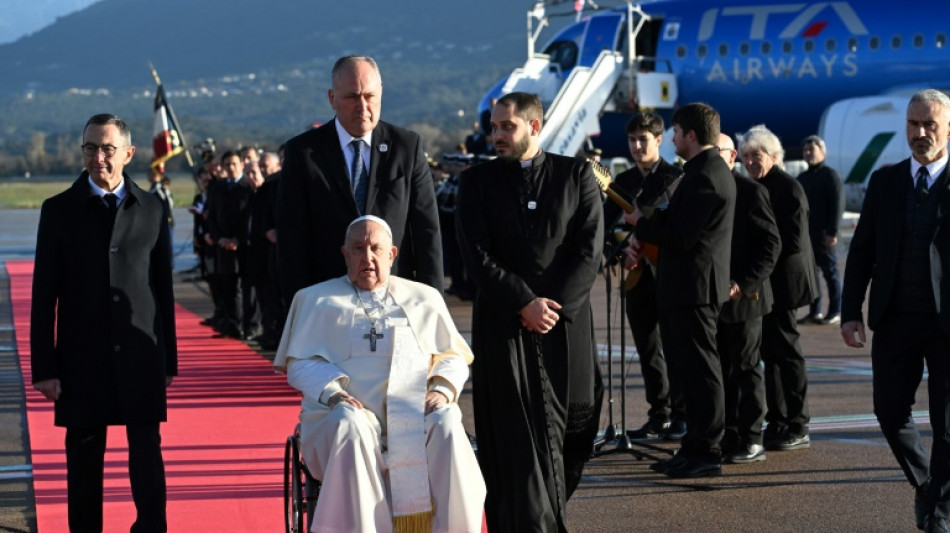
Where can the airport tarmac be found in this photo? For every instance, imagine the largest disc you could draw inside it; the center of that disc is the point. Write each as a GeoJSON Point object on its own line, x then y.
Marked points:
{"type": "Point", "coordinates": [846, 481]}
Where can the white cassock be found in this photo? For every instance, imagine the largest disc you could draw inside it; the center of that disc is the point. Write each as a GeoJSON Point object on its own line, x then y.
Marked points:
{"type": "Point", "coordinates": [389, 462]}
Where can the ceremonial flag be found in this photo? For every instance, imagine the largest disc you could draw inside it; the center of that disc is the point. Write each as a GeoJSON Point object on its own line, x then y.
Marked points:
{"type": "Point", "coordinates": [167, 139]}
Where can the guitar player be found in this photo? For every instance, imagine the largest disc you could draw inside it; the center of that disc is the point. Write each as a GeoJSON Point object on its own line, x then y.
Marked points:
{"type": "Point", "coordinates": [649, 183]}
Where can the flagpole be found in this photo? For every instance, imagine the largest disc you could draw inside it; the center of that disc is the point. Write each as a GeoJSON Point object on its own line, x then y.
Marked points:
{"type": "Point", "coordinates": [171, 113]}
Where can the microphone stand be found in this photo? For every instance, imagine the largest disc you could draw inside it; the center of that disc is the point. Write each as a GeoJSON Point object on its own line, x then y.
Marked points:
{"type": "Point", "coordinates": [622, 442]}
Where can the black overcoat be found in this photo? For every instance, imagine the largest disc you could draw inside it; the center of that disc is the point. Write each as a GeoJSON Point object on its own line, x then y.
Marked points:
{"type": "Point", "coordinates": [257, 249]}
{"type": "Point", "coordinates": [793, 278]}
{"type": "Point", "coordinates": [694, 235]}
{"type": "Point", "coordinates": [875, 247]}
{"type": "Point", "coordinates": [535, 396]}
{"type": "Point", "coordinates": [316, 204]}
{"type": "Point", "coordinates": [756, 245]}
{"type": "Point", "coordinates": [228, 206]}
{"type": "Point", "coordinates": [107, 292]}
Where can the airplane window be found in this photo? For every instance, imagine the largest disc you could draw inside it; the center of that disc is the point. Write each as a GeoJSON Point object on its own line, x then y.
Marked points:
{"type": "Point", "coordinates": [896, 42]}
{"type": "Point", "coordinates": [564, 53]}
{"type": "Point", "coordinates": [744, 49]}
{"type": "Point", "coordinates": [941, 40]}
{"type": "Point", "coordinates": [874, 42]}
{"type": "Point", "coordinates": [681, 51]}
{"type": "Point", "coordinates": [830, 45]}
{"type": "Point", "coordinates": [701, 51]}
{"type": "Point", "coordinates": [787, 47]}
{"type": "Point", "coordinates": [723, 50]}
{"type": "Point", "coordinates": [766, 48]}
{"type": "Point", "coordinates": [809, 46]}
{"type": "Point", "coordinates": [853, 44]}
{"type": "Point", "coordinates": [918, 41]}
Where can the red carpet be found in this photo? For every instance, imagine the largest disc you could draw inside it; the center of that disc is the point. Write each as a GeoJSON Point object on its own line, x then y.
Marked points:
{"type": "Point", "coordinates": [228, 417]}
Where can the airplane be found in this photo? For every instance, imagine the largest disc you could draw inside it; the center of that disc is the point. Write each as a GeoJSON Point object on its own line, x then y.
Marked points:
{"type": "Point", "coordinates": [842, 69]}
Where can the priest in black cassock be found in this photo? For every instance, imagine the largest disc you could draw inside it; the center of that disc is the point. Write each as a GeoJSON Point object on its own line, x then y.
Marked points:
{"type": "Point", "coordinates": [529, 227]}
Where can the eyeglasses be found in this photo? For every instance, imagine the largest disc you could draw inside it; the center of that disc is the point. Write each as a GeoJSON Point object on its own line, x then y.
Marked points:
{"type": "Point", "coordinates": [90, 150]}
{"type": "Point", "coordinates": [725, 149]}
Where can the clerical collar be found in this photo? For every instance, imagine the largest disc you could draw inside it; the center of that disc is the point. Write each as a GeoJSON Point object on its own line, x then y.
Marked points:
{"type": "Point", "coordinates": [534, 161]}
{"type": "Point", "coordinates": [119, 191]}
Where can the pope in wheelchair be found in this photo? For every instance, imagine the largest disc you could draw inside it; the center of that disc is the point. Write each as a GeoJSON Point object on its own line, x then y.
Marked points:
{"type": "Point", "coordinates": [381, 364]}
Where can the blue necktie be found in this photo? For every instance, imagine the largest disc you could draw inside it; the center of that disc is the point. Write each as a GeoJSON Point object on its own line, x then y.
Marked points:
{"type": "Point", "coordinates": [360, 179]}
{"type": "Point", "coordinates": [921, 190]}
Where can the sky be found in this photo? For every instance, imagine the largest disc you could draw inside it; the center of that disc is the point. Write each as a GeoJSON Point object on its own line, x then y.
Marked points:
{"type": "Point", "coordinates": [23, 17]}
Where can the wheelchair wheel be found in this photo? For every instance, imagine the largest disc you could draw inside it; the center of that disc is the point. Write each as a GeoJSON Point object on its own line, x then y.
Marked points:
{"type": "Point", "coordinates": [295, 481]}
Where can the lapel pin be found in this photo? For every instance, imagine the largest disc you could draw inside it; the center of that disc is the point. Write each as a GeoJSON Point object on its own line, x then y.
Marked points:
{"type": "Point", "coordinates": [383, 148]}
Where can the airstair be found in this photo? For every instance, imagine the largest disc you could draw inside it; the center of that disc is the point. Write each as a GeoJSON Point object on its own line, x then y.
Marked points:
{"type": "Point", "coordinates": [574, 114]}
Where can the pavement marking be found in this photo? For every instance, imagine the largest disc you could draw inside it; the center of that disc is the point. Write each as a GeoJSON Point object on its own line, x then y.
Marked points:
{"type": "Point", "coordinates": [829, 423]}
{"type": "Point", "coordinates": [10, 472]}
{"type": "Point", "coordinates": [863, 442]}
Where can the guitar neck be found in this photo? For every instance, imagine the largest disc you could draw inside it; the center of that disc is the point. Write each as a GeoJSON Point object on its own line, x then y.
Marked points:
{"type": "Point", "coordinates": [605, 182]}
{"type": "Point", "coordinates": [619, 200]}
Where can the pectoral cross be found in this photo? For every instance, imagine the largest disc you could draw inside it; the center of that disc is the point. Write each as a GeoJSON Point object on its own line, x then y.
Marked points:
{"type": "Point", "coordinates": [372, 336]}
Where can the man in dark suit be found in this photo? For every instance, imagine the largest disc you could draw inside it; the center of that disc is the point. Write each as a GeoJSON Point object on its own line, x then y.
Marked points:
{"type": "Point", "coordinates": [755, 249]}
{"type": "Point", "coordinates": [793, 286]}
{"type": "Point", "coordinates": [355, 165]}
{"type": "Point", "coordinates": [825, 204]}
{"type": "Point", "coordinates": [262, 258]}
{"type": "Point", "coordinates": [648, 183]}
{"type": "Point", "coordinates": [102, 335]}
{"type": "Point", "coordinates": [900, 246]}
{"type": "Point", "coordinates": [693, 282]}
{"type": "Point", "coordinates": [530, 229]}
{"type": "Point", "coordinates": [227, 224]}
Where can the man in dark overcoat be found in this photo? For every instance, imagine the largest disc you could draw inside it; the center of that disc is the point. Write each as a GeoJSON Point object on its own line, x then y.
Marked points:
{"type": "Point", "coordinates": [822, 187]}
{"type": "Point", "coordinates": [648, 183]}
{"type": "Point", "coordinates": [793, 286]}
{"type": "Point", "coordinates": [755, 248]}
{"type": "Point", "coordinates": [227, 225]}
{"type": "Point", "coordinates": [102, 335]}
{"type": "Point", "coordinates": [899, 247]}
{"type": "Point", "coordinates": [351, 166]}
{"type": "Point", "coordinates": [694, 235]}
{"type": "Point", "coordinates": [530, 228]}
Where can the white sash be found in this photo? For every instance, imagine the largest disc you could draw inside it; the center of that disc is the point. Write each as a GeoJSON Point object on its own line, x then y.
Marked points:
{"type": "Point", "coordinates": [405, 421]}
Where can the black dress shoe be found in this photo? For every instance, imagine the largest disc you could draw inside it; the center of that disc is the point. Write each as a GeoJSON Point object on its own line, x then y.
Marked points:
{"type": "Point", "coordinates": [774, 433]}
{"type": "Point", "coordinates": [747, 453]}
{"type": "Point", "coordinates": [730, 442]}
{"type": "Point", "coordinates": [651, 430]}
{"type": "Point", "coordinates": [666, 464]}
{"type": "Point", "coordinates": [792, 441]}
{"type": "Point", "coordinates": [696, 468]}
{"type": "Point", "coordinates": [676, 431]}
{"type": "Point", "coordinates": [921, 509]}
{"type": "Point", "coordinates": [811, 318]}
{"type": "Point", "coordinates": [229, 331]}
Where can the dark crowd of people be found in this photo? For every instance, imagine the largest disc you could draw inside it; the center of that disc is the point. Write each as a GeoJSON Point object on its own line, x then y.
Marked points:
{"type": "Point", "coordinates": [235, 235]}
{"type": "Point", "coordinates": [333, 251]}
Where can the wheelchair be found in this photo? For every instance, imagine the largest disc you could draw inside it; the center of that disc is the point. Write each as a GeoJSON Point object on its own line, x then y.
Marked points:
{"type": "Point", "coordinates": [301, 490]}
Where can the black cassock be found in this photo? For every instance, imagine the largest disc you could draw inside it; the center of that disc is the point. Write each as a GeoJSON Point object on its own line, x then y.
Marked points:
{"type": "Point", "coordinates": [527, 234]}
